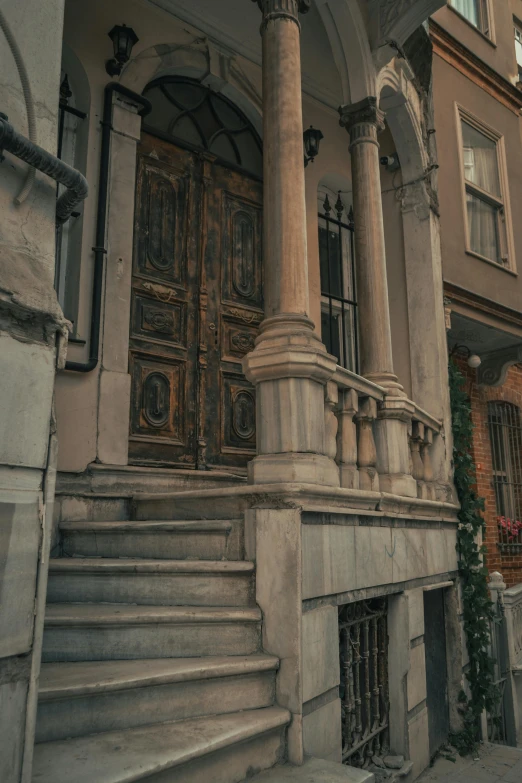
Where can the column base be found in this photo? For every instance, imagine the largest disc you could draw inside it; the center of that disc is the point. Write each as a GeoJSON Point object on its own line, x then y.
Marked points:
{"type": "Point", "coordinates": [294, 468]}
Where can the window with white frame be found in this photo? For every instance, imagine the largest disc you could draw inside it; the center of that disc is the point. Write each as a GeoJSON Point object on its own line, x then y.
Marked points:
{"type": "Point", "coordinates": [476, 12]}
{"type": "Point", "coordinates": [518, 46]}
{"type": "Point", "coordinates": [485, 209]}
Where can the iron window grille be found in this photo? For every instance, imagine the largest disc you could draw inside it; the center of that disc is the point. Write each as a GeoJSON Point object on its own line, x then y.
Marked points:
{"type": "Point", "coordinates": [506, 449]}
{"type": "Point", "coordinates": [195, 117]}
{"type": "Point", "coordinates": [363, 642]}
{"type": "Point", "coordinates": [68, 117]}
{"type": "Point", "coordinates": [338, 284]}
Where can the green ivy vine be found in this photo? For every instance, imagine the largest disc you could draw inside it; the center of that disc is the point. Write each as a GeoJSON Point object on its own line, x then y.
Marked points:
{"type": "Point", "coordinates": [476, 602]}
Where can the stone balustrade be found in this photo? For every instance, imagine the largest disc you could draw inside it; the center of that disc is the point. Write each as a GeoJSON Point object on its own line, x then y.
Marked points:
{"type": "Point", "coordinates": [424, 430]}
{"type": "Point", "coordinates": [513, 610]}
{"type": "Point", "coordinates": [352, 405]}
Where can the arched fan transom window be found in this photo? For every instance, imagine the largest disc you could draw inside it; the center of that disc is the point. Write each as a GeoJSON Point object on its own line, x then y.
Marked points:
{"type": "Point", "coordinates": [193, 115]}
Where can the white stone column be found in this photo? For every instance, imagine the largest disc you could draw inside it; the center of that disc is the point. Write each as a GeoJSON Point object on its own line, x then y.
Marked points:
{"type": "Point", "coordinates": [289, 364]}
{"type": "Point", "coordinates": [363, 120]}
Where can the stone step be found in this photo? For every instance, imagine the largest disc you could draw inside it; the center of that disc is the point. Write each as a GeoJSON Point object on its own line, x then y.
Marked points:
{"type": "Point", "coordinates": [221, 749]}
{"type": "Point", "coordinates": [77, 699]}
{"type": "Point", "coordinates": [151, 582]}
{"type": "Point", "coordinates": [222, 503]}
{"type": "Point", "coordinates": [219, 539]}
{"type": "Point", "coordinates": [101, 632]}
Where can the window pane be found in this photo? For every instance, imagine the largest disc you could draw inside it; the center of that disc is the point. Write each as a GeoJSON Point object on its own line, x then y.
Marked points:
{"type": "Point", "coordinates": [329, 256]}
{"type": "Point", "coordinates": [470, 9]}
{"type": "Point", "coordinates": [331, 332]}
{"type": "Point", "coordinates": [483, 227]}
{"type": "Point", "coordinates": [480, 160]}
{"type": "Point", "coordinates": [518, 46]}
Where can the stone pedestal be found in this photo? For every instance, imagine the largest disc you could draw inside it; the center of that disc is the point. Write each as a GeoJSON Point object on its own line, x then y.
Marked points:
{"type": "Point", "coordinates": [289, 364]}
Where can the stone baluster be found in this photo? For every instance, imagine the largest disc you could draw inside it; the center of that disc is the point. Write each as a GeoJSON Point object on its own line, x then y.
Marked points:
{"type": "Point", "coordinates": [289, 365]}
{"type": "Point", "coordinates": [347, 438]}
{"type": "Point", "coordinates": [366, 450]}
{"type": "Point", "coordinates": [363, 120]}
{"type": "Point", "coordinates": [425, 451]}
{"type": "Point", "coordinates": [417, 464]}
{"type": "Point", "coordinates": [331, 425]}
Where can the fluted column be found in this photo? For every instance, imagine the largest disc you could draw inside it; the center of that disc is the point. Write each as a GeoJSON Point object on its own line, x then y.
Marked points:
{"type": "Point", "coordinates": [289, 364]}
{"type": "Point", "coordinates": [363, 120]}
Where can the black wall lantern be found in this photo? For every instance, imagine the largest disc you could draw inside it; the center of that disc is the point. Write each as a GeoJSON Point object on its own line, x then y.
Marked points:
{"type": "Point", "coordinates": [123, 39]}
{"type": "Point", "coordinates": [312, 139]}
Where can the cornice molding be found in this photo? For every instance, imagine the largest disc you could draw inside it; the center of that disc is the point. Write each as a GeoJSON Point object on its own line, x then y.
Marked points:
{"type": "Point", "coordinates": [481, 304]}
{"type": "Point", "coordinates": [462, 59]}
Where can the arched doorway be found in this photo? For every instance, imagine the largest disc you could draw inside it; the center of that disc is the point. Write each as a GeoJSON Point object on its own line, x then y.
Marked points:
{"type": "Point", "coordinates": [197, 289]}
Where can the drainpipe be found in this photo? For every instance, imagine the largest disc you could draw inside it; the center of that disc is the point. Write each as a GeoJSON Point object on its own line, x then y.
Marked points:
{"type": "Point", "coordinates": [101, 218]}
{"type": "Point", "coordinates": [28, 151]}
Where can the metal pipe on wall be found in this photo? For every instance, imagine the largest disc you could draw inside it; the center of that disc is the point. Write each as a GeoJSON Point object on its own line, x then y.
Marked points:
{"type": "Point", "coordinates": [99, 248]}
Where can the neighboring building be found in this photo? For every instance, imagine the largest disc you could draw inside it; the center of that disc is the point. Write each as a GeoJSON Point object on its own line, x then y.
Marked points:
{"type": "Point", "coordinates": [477, 97]}
{"type": "Point", "coordinates": [254, 549]}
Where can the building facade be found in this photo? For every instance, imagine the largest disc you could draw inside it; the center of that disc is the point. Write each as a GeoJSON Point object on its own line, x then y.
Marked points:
{"type": "Point", "coordinates": [477, 116]}
{"type": "Point", "coordinates": [253, 547]}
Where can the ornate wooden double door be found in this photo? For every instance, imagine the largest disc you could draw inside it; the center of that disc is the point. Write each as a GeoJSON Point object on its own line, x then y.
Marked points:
{"type": "Point", "coordinates": [197, 302]}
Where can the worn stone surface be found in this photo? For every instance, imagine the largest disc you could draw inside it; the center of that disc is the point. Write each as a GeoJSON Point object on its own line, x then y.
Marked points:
{"type": "Point", "coordinates": [492, 764]}
{"type": "Point", "coordinates": [320, 646]}
{"type": "Point", "coordinates": [322, 732]}
{"type": "Point", "coordinates": [416, 678]}
{"type": "Point", "coordinates": [314, 771]}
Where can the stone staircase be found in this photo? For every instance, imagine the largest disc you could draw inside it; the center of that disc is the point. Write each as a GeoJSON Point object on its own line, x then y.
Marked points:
{"type": "Point", "coordinates": [152, 662]}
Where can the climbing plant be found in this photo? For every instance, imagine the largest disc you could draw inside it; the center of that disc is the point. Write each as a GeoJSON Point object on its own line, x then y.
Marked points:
{"type": "Point", "coordinates": [476, 602]}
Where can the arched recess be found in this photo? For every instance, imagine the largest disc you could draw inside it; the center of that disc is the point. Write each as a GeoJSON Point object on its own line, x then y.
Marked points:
{"type": "Point", "coordinates": [201, 61]}
{"type": "Point", "coordinates": [187, 57]}
{"type": "Point", "coordinates": [404, 111]}
{"type": "Point", "coordinates": [348, 36]}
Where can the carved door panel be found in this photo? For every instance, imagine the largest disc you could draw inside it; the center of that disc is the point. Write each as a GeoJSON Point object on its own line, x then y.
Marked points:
{"type": "Point", "coordinates": [163, 326]}
{"type": "Point", "coordinates": [232, 260]}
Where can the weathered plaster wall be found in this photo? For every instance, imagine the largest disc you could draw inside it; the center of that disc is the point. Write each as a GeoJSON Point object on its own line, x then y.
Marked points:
{"type": "Point", "coordinates": [29, 320]}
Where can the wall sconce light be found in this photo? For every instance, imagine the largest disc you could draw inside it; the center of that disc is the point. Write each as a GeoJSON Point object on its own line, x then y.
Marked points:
{"type": "Point", "coordinates": [474, 360]}
{"type": "Point", "coordinates": [312, 139]}
{"type": "Point", "coordinates": [391, 162]}
{"type": "Point", "coordinates": [123, 39]}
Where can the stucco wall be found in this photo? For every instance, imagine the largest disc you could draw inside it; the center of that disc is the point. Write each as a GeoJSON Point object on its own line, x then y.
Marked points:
{"type": "Point", "coordinates": [29, 320]}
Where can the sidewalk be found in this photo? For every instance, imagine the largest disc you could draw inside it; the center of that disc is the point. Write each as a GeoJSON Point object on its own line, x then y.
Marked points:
{"type": "Point", "coordinates": [493, 763]}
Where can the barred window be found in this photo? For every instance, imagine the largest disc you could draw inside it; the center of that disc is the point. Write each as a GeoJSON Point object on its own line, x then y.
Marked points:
{"type": "Point", "coordinates": [506, 450]}
{"type": "Point", "coordinates": [338, 289]}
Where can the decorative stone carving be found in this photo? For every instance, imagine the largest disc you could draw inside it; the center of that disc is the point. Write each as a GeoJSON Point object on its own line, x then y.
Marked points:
{"type": "Point", "coordinates": [364, 113]}
{"type": "Point", "coordinates": [494, 367]}
{"type": "Point", "coordinates": [276, 8]}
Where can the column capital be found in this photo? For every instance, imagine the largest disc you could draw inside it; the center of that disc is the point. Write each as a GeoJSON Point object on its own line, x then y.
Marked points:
{"type": "Point", "coordinates": [365, 112]}
{"type": "Point", "coordinates": [282, 9]}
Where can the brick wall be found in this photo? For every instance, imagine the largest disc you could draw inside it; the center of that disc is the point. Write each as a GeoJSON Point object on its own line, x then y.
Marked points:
{"type": "Point", "coordinates": [509, 565]}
